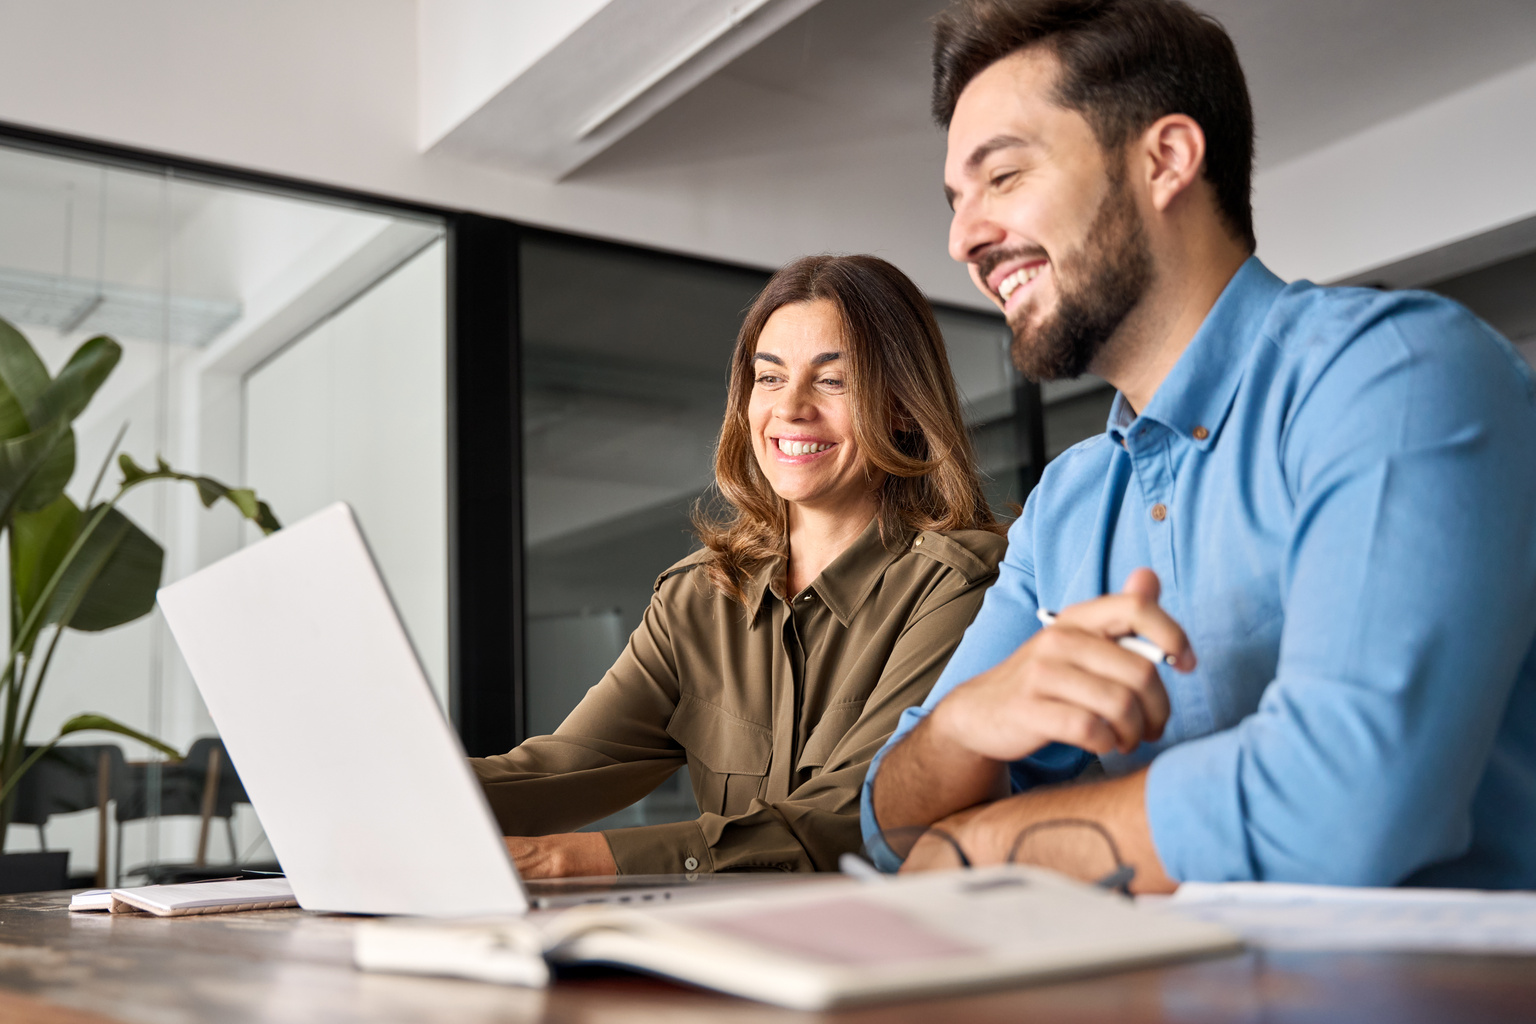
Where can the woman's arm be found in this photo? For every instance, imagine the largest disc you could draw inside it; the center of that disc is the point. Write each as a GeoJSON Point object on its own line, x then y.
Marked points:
{"type": "Point", "coordinates": [610, 751]}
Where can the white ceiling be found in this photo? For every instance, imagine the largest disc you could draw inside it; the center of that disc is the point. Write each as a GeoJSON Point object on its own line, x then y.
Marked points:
{"type": "Point", "coordinates": [850, 70]}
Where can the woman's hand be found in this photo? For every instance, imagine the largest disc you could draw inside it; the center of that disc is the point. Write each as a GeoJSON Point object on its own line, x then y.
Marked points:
{"type": "Point", "coordinates": [564, 855]}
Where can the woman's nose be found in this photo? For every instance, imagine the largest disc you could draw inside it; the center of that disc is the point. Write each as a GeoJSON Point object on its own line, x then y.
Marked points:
{"type": "Point", "coordinates": [796, 402]}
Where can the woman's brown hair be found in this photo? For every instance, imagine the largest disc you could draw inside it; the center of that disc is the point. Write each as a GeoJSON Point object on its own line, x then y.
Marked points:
{"type": "Point", "coordinates": [906, 417]}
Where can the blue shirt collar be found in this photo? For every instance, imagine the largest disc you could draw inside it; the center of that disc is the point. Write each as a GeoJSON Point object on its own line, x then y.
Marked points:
{"type": "Point", "coordinates": [1194, 398]}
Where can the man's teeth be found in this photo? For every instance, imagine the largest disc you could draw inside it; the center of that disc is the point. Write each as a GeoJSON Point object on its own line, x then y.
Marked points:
{"type": "Point", "coordinates": [1022, 276]}
{"type": "Point", "coordinates": [802, 447]}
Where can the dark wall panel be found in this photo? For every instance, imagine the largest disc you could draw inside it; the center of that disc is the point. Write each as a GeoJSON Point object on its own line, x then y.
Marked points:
{"type": "Point", "coordinates": [485, 485]}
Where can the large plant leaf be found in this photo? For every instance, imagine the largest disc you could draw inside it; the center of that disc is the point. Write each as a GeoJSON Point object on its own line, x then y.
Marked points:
{"type": "Point", "coordinates": [113, 578]}
{"type": "Point", "coordinates": [80, 723]}
{"type": "Point", "coordinates": [72, 390]}
{"type": "Point", "coordinates": [24, 379]}
{"type": "Point", "coordinates": [13, 419]}
{"type": "Point", "coordinates": [101, 723]}
{"type": "Point", "coordinates": [36, 463]}
{"type": "Point", "coordinates": [53, 473]}
{"type": "Point", "coordinates": [39, 541]}
{"type": "Point", "coordinates": [209, 490]}
{"type": "Point", "coordinates": [35, 467]}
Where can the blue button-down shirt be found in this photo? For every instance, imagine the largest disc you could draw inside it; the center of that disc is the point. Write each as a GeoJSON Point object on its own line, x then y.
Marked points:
{"type": "Point", "coordinates": [1337, 490]}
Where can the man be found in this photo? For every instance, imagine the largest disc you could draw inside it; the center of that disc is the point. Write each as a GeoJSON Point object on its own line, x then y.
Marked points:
{"type": "Point", "coordinates": [1320, 503]}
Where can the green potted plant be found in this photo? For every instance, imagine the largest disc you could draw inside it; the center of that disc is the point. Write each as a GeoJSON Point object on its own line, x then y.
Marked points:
{"type": "Point", "coordinates": [89, 568]}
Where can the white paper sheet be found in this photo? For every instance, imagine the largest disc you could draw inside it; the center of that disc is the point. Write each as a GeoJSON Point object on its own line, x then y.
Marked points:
{"type": "Point", "coordinates": [1325, 917]}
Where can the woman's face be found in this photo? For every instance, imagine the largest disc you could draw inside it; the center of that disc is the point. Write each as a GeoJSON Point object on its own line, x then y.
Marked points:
{"type": "Point", "coordinates": [801, 419]}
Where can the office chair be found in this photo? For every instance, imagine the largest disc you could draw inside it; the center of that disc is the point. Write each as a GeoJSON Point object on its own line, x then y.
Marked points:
{"type": "Point", "coordinates": [204, 784]}
{"type": "Point", "coordinates": [69, 779]}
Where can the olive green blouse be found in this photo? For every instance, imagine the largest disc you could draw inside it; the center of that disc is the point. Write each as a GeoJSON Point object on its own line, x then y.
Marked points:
{"type": "Point", "coordinates": [775, 707]}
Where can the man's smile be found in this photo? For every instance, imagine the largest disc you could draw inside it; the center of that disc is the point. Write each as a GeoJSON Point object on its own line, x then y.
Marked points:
{"type": "Point", "coordinates": [1009, 276]}
{"type": "Point", "coordinates": [1018, 279]}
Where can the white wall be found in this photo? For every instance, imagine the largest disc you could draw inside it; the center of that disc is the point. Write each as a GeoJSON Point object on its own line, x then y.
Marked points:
{"type": "Point", "coordinates": [1460, 166]}
{"type": "Point", "coordinates": [356, 411]}
{"type": "Point", "coordinates": [328, 92]}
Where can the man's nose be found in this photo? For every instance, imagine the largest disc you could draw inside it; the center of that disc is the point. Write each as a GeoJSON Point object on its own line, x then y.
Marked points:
{"type": "Point", "coordinates": [972, 232]}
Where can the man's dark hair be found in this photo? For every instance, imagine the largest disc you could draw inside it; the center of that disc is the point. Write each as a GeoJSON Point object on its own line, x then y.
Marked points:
{"type": "Point", "coordinates": [1124, 64]}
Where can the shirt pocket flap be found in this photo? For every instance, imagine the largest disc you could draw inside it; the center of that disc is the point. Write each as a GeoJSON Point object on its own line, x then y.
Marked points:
{"type": "Point", "coordinates": [829, 732]}
{"type": "Point", "coordinates": [723, 743]}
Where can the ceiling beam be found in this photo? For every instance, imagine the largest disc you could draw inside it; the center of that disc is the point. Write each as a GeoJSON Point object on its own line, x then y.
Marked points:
{"type": "Point", "coordinates": [542, 92]}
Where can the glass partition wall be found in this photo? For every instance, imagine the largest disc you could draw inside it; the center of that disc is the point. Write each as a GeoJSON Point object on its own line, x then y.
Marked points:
{"type": "Point", "coordinates": [522, 419]}
{"type": "Point", "coordinates": [269, 340]}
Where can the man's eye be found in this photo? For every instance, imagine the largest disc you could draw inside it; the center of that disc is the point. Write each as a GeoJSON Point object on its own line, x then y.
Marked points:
{"type": "Point", "coordinates": [999, 180]}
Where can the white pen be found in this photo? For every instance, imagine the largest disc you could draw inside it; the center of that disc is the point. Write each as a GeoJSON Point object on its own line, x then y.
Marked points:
{"type": "Point", "coordinates": [1135, 644]}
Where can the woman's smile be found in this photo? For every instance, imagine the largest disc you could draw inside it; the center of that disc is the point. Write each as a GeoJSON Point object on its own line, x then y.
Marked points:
{"type": "Point", "coordinates": [799, 450]}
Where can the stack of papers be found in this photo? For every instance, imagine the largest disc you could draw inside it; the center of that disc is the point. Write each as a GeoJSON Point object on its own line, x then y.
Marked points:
{"type": "Point", "coordinates": [1325, 917]}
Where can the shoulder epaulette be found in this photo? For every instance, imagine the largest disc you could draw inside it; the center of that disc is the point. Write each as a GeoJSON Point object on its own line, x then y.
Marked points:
{"type": "Point", "coordinates": [676, 570]}
{"type": "Point", "coordinates": [957, 556]}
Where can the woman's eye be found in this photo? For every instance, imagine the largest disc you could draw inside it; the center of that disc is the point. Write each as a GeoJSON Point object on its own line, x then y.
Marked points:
{"type": "Point", "coordinates": [768, 379]}
{"type": "Point", "coordinates": [831, 382]}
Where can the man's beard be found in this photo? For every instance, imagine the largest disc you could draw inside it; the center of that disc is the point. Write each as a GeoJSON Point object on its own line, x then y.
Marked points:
{"type": "Point", "coordinates": [1097, 286]}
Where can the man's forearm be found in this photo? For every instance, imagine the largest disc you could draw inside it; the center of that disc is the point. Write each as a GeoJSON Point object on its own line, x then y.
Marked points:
{"type": "Point", "coordinates": [925, 778]}
{"type": "Point", "coordinates": [1086, 830]}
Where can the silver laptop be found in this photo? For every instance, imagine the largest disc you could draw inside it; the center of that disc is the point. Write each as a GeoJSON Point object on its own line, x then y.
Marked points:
{"type": "Point", "coordinates": [359, 781]}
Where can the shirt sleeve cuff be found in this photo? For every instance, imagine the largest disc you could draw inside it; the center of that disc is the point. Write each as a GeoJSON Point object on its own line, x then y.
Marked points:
{"type": "Point", "coordinates": [880, 852]}
{"type": "Point", "coordinates": [1195, 811]}
{"type": "Point", "coordinates": [1052, 764]}
{"type": "Point", "coordinates": [669, 849]}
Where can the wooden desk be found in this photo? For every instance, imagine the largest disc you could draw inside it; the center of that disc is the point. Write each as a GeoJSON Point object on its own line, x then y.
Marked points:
{"type": "Point", "coordinates": [289, 967]}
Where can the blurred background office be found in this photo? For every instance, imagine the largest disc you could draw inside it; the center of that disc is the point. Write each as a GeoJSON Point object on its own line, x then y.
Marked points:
{"type": "Point", "coordinates": [475, 266]}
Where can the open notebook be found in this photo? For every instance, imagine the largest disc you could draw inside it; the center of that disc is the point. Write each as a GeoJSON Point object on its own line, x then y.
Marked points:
{"type": "Point", "coordinates": [811, 949]}
{"type": "Point", "coordinates": [216, 897]}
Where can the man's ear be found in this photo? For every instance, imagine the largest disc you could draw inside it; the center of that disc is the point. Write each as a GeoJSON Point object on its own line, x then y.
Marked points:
{"type": "Point", "coordinates": [1173, 154]}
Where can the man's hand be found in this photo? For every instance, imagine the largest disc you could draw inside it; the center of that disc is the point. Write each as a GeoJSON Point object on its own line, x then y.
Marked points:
{"type": "Point", "coordinates": [1072, 683]}
{"type": "Point", "coordinates": [1069, 683]}
{"type": "Point", "coordinates": [565, 855]}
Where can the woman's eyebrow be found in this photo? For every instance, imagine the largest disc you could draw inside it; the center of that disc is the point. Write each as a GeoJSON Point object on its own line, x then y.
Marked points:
{"type": "Point", "coordinates": [769, 357]}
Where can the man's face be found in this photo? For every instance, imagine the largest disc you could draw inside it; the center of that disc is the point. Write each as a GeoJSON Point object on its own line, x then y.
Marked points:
{"type": "Point", "coordinates": [1043, 217]}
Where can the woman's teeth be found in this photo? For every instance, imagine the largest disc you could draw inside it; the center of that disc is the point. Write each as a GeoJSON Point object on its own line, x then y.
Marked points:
{"type": "Point", "coordinates": [1018, 278]}
{"type": "Point", "coordinates": [802, 447]}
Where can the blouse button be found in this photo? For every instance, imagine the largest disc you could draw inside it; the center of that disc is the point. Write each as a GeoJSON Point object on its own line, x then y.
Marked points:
{"type": "Point", "coordinates": [691, 864]}
{"type": "Point", "coordinates": [918, 543]}
{"type": "Point", "coordinates": [1159, 511]}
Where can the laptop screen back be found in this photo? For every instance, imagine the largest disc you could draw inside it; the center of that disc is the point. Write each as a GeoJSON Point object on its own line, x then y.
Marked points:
{"type": "Point", "coordinates": [359, 781]}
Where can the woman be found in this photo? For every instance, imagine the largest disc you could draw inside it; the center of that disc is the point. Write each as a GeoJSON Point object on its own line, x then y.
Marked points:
{"type": "Point", "coordinates": [775, 661]}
